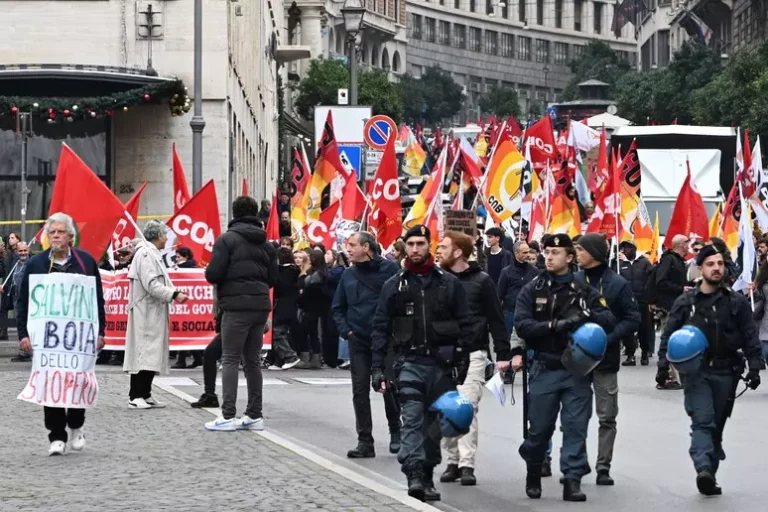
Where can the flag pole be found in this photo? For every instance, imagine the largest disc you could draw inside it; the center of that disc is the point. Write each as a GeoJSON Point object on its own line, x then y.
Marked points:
{"type": "Point", "coordinates": [141, 235]}
{"type": "Point", "coordinates": [744, 248]}
{"type": "Point", "coordinates": [546, 197]}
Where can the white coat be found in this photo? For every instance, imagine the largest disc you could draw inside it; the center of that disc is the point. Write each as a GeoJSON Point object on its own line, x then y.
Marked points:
{"type": "Point", "coordinates": [149, 298]}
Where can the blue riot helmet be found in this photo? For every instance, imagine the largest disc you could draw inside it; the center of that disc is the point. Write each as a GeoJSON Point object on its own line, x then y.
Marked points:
{"type": "Point", "coordinates": [685, 349]}
{"type": "Point", "coordinates": [585, 350]}
{"type": "Point", "coordinates": [455, 413]}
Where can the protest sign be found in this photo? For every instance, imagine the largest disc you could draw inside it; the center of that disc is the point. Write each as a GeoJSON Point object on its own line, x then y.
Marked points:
{"type": "Point", "coordinates": [63, 325]}
{"type": "Point", "coordinates": [464, 221]}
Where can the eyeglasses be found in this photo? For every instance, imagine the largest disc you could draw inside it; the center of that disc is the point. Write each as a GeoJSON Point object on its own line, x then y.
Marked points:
{"type": "Point", "coordinates": [696, 249]}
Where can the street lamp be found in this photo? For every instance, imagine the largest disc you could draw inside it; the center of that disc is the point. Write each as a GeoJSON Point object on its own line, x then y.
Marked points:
{"type": "Point", "coordinates": [198, 123]}
{"type": "Point", "coordinates": [546, 85]}
{"type": "Point", "coordinates": [353, 12]}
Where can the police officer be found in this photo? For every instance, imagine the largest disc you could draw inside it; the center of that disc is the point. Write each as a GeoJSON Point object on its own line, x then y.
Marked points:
{"type": "Point", "coordinates": [548, 310]}
{"type": "Point", "coordinates": [423, 314]}
{"type": "Point", "coordinates": [725, 319]}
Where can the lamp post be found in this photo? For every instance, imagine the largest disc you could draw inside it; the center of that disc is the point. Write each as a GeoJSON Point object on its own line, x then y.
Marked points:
{"type": "Point", "coordinates": [546, 86]}
{"type": "Point", "coordinates": [198, 123]}
{"type": "Point", "coordinates": [353, 12]}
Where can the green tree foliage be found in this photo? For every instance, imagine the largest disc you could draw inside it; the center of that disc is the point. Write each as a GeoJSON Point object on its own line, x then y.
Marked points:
{"type": "Point", "coordinates": [324, 78]}
{"type": "Point", "coordinates": [501, 101]}
{"type": "Point", "coordinates": [413, 94]}
{"type": "Point", "coordinates": [432, 98]}
{"type": "Point", "coordinates": [597, 61]}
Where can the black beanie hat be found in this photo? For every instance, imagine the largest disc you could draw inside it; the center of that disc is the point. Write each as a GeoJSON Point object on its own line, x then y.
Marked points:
{"type": "Point", "coordinates": [596, 245]}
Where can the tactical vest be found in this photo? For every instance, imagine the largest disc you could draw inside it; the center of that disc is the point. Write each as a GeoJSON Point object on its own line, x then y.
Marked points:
{"type": "Point", "coordinates": [421, 319]}
{"type": "Point", "coordinates": [548, 306]}
{"type": "Point", "coordinates": [718, 324]}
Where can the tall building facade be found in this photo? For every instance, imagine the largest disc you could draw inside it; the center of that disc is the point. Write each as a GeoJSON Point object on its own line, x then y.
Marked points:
{"type": "Point", "coordinates": [523, 44]}
{"type": "Point", "coordinates": [75, 49]}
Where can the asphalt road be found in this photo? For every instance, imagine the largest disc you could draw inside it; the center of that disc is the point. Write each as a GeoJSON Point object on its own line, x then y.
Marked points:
{"type": "Point", "coordinates": [651, 465]}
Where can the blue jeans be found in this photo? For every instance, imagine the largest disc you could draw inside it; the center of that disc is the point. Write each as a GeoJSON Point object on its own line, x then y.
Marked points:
{"type": "Point", "coordinates": [343, 349]}
{"type": "Point", "coordinates": [529, 362]}
{"type": "Point", "coordinates": [548, 391]}
{"type": "Point", "coordinates": [764, 343]}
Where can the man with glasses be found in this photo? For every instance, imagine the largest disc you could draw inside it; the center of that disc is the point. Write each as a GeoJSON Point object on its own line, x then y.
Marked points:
{"type": "Point", "coordinates": [694, 272]}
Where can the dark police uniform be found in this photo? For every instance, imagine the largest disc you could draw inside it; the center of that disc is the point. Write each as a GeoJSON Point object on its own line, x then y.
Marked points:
{"type": "Point", "coordinates": [541, 307]}
{"type": "Point", "coordinates": [725, 317]}
{"type": "Point", "coordinates": [425, 319]}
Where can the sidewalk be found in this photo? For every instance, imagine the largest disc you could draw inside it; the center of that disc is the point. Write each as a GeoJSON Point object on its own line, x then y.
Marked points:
{"type": "Point", "coordinates": [159, 459]}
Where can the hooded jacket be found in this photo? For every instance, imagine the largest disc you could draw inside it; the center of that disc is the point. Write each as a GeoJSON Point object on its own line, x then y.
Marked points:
{"type": "Point", "coordinates": [636, 273]}
{"type": "Point", "coordinates": [243, 266]}
{"type": "Point", "coordinates": [484, 309]}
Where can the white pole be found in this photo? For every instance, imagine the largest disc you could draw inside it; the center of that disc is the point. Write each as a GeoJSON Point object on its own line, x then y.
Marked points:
{"type": "Point", "coordinates": [141, 235]}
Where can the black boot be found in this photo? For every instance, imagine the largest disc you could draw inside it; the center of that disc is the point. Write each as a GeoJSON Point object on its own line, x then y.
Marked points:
{"type": "Point", "coordinates": [644, 359]}
{"type": "Point", "coordinates": [197, 360]}
{"type": "Point", "coordinates": [416, 484]}
{"type": "Point", "coordinates": [206, 401]}
{"type": "Point", "coordinates": [604, 477]}
{"type": "Point", "coordinates": [21, 358]}
{"type": "Point", "coordinates": [468, 476]}
{"type": "Point", "coordinates": [394, 441]}
{"type": "Point", "coordinates": [572, 491]}
{"type": "Point", "coordinates": [546, 469]}
{"type": "Point", "coordinates": [533, 481]}
{"type": "Point", "coordinates": [430, 493]}
{"type": "Point", "coordinates": [630, 361]}
{"type": "Point", "coordinates": [4, 334]}
{"type": "Point", "coordinates": [363, 451]}
{"type": "Point", "coordinates": [180, 364]}
{"type": "Point", "coordinates": [451, 473]}
{"type": "Point", "coordinates": [707, 484]}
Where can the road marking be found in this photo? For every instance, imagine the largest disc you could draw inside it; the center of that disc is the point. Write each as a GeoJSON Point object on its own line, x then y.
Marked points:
{"type": "Point", "coordinates": [242, 382]}
{"type": "Point", "coordinates": [340, 470]}
{"type": "Point", "coordinates": [322, 382]}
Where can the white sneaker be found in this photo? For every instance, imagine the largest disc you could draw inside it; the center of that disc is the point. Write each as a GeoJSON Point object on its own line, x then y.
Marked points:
{"type": "Point", "coordinates": [247, 423]}
{"type": "Point", "coordinates": [288, 366]}
{"type": "Point", "coordinates": [57, 448]}
{"type": "Point", "coordinates": [138, 403]}
{"type": "Point", "coordinates": [77, 439]}
{"type": "Point", "coordinates": [222, 425]}
{"type": "Point", "coordinates": [275, 368]}
{"type": "Point", "coordinates": [345, 365]}
{"type": "Point", "coordinates": [155, 404]}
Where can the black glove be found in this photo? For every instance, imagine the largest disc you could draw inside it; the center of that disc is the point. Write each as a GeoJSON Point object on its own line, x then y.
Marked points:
{"type": "Point", "coordinates": [752, 379]}
{"type": "Point", "coordinates": [377, 379]}
{"type": "Point", "coordinates": [565, 325]}
{"type": "Point", "coordinates": [662, 376]}
{"type": "Point", "coordinates": [462, 368]}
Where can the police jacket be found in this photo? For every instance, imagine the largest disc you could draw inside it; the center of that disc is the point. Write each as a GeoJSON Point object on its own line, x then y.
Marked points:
{"type": "Point", "coordinates": [636, 273]}
{"type": "Point", "coordinates": [513, 278]}
{"type": "Point", "coordinates": [725, 317]}
{"type": "Point", "coordinates": [618, 296]}
{"type": "Point", "coordinates": [548, 298]}
{"type": "Point", "coordinates": [484, 310]}
{"type": "Point", "coordinates": [671, 277]}
{"type": "Point", "coordinates": [357, 295]}
{"type": "Point", "coordinates": [422, 317]}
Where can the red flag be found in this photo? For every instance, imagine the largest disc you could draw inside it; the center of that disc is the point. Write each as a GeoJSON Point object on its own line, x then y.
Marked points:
{"type": "Point", "coordinates": [79, 193]}
{"type": "Point", "coordinates": [125, 231]}
{"type": "Point", "coordinates": [689, 217]}
{"type": "Point", "coordinates": [197, 224]}
{"type": "Point", "coordinates": [386, 186]}
{"type": "Point", "coordinates": [744, 175]}
{"type": "Point", "coordinates": [608, 208]}
{"type": "Point", "coordinates": [273, 222]}
{"type": "Point", "coordinates": [541, 139]}
{"type": "Point", "coordinates": [602, 172]}
{"type": "Point", "coordinates": [300, 172]}
{"type": "Point", "coordinates": [244, 191]}
{"type": "Point", "coordinates": [515, 133]}
{"type": "Point", "coordinates": [352, 202]}
{"type": "Point", "coordinates": [180, 188]}
{"type": "Point", "coordinates": [323, 230]}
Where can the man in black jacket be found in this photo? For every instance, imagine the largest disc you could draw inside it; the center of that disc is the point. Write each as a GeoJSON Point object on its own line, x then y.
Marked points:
{"type": "Point", "coordinates": [354, 305]}
{"type": "Point", "coordinates": [592, 255]}
{"type": "Point", "coordinates": [286, 296]}
{"type": "Point", "coordinates": [243, 267]}
{"type": "Point", "coordinates": [453, 253]}
{"type": "Point", "coordinates": [636, 269]}
{"type": "Point", "coordinates": [513, 277]}
{"type": "Point", "coordinates": [496, 257]}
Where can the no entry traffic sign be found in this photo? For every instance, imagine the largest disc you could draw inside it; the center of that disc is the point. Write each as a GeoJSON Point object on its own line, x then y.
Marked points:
{"type": "Point", "coordinates": [378, 130]}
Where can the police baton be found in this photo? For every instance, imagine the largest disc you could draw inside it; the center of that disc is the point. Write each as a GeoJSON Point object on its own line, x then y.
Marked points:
{"type": "Point", "coordinates": [525, 398]}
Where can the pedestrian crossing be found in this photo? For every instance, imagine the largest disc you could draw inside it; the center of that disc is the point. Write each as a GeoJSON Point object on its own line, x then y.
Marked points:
{"type": "Point", "coordinates": [241, 382]}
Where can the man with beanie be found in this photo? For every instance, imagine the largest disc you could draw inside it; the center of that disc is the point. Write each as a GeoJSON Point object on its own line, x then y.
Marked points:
{"type": "Point", "coordinates": [423, 316]}
{"type": "Point", "coordinates": [592, 256]}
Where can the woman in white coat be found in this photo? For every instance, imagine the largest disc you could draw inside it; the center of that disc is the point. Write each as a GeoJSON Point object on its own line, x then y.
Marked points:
{"type": "Point", "coordinates": [149, 298]}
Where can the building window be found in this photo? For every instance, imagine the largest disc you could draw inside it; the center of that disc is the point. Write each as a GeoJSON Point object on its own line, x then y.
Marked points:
{"type": "Point", "coordinates": [489, 7]}
{"type": "Point", "coordinates": [561, 53]}
{"type": "Point", "coordinates": [444, 33]}
{"type": "Point", "coordinates": [460, 36]}
{"type": "Point", "coordinates": [539, 12]}
{"type": "Point", "coordinates": [472, 5]}
{"type": "Point", "coordinates": [491, 42]}
{"type": "Point", "coordinates": [475, 35]}
{"type": "Point", "coordinates": [524, 48]}
{"type": "Point", "coordinates": [505, 11]}
{"type": "Point", "coordinates": [598, 18]}
{"type": "Point", "coordinates": [442, 2]}
{"type": "Point", "coordinates": [558, 13]}
{"type": "Point", "coordinates": [577, 50]}
{"type": "Point", "coordinates": [456, 4]}
{"type": "Point", "coordinates": [664, 51]}
{"type": "Point", "coordinates": [416, 26]}
{"type": "Point", "coordinates": [578, 9]}
{"type": "Point", "coordinates": [429, 30]}
{"type": "Point", "coordinates": [507, 45]}
{"type": "Point", "coordinates": [542, 51]}
{"type": "Point", "coordinates": [521, 10]}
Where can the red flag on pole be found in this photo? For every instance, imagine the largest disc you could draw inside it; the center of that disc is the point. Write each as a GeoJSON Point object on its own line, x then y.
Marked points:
{"type": "Point", "coordinates": [323, 230]}
{"type": "Point", "coordinates": [180, 188]}
{"type": "Point", "coordinates": [244, 190]}
{"type": "Point", "coordinates": [689, 217]}
{"type": "Point", "coordinates": [125, 231]}
{"type": "Point", "coordinates": [273, 222]}
{"type": "Point", "coordinates": [197, 224]}
{"type": "Point", "coordinates": [80, 193]}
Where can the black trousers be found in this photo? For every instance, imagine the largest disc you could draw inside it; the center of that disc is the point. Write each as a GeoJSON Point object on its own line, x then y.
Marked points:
{"type": "Point", "coordinates": [141, 385]}
{"type": "Point", "coordinates": [58, 419]}
{"type": "Point", "coordinates": [330, 341]}
{"type": "Point", "coordinates": [646, 334]}
{"type": "Point", "coordinates": [310, 333]}
{"type": "Point", "coordinates": [211, 356]}
{"type": "Point", "coordinates": [360, 359]}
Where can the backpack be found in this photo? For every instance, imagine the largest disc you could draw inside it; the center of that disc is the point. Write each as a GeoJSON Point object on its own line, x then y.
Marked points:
{"type": "Point", "coordinates": [651, 292]}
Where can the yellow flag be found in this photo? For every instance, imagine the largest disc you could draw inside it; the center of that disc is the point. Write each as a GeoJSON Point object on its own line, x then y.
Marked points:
{"type": "Point", "coordinates": [481, 146]}
{"type": "Point", "coordinates": [414, 159]}
{"type": "Point", "coordinates": [503, 190]}
{"type": "Point", "coordinates": [653, 252]}
{"type": "Point", "coordinates": [714, 223]}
